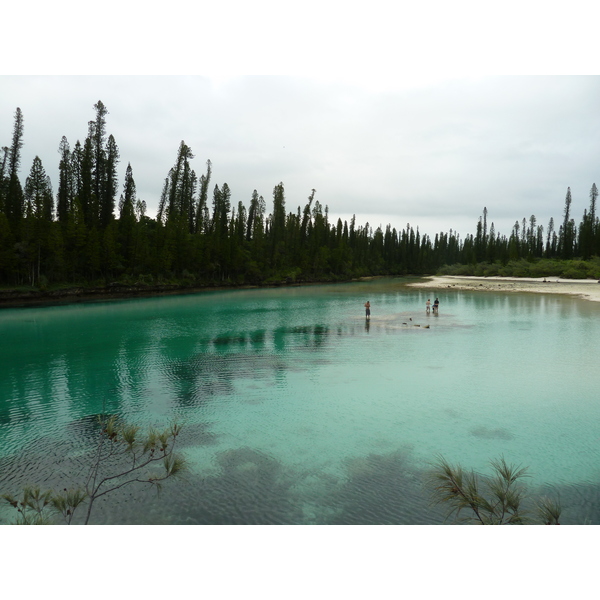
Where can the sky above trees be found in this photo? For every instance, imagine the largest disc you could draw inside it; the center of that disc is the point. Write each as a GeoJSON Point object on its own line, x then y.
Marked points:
{"type": "Point", "coordinates": [425, 128]}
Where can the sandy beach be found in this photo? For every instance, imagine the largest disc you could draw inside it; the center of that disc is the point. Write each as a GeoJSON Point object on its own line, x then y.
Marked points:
{"type": "Point", "coordinates": [589, 289]}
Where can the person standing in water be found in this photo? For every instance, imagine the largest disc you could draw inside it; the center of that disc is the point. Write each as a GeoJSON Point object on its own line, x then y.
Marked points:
{"type": "Point", "coordinates": [368, 309]}
{"type": "Point", "coordinates": [436, 305]}
{"type": "Point", "coordinates": [428, 306]}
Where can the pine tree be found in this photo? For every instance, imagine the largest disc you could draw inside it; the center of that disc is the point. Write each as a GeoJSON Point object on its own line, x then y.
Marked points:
{"type": "Point", "coordinates": [64, 196]}
{"type": "Point", "coordinates": [566, 240]}
{"type": "Point", "coordinates": [39, 210]}
{"type": "Point", "coordinates": [4, 178]}
{"type": "Point", "coordinates": [251, 211]}
{"type": "Point", "coordinates": [177, 202]}
{"type": "Point", "coordinates": [306, 217]}
{"type": "Point", "coordinates": [40, 213]}
{"type": "Point", "coordinates": [38, 192]}
{"type": "Point", "coordinates": [177, 209]}
{"type": "Point", "coordinates": [75, 241]}
{"type": "Point", "coordinates": [109, 192]}
{"type": "Point", "coordinates": [485, 231]}
{"type": "Point", "coordinates": [594, 228]}
{"type": "Point", "coordinates": [163, 207]}
{"type": "Point", "coordinates": [532, 236]}
{"type": "Point", "coordinates": [277, 228]}
{"type": "Point", "coordinates": [97, 134]}
{"type": "Point", "coordinates": [86, 195]}
{"type": "Point", "coordinates": [14, 204]}
{"type": "Point", "coordinates": [127, 218]}
{"type": "Point", "coordinates": [76, 178]}
{"type": "Point", "coordinates": [549, 249]}
{"type": "Point", "coordinates": [593, 198]}
{"type": "Point", "coordinates": [202, 221]}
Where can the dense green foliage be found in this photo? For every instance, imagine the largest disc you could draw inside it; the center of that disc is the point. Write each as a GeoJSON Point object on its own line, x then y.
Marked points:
{"type": "Point", "coordinates": [85, 236]}
{"type": "Point", "coordinates": [543, 267]}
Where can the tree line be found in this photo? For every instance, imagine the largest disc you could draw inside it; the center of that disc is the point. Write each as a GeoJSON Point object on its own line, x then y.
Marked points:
{"type": "Point", "coordinates": [83, 234]}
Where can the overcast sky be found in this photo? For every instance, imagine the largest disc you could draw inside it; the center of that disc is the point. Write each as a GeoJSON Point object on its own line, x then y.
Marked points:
{"type": "Point", "coordinates": [394, 123]}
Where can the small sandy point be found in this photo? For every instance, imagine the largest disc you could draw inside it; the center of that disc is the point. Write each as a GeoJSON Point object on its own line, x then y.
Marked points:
{"type": "Point", "coordinates": [588, 289]}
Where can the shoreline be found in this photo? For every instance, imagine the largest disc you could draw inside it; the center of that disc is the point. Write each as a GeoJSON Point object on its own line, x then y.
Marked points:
{"type": "Point", "coordinates": [19, 298]}
{"type": "Point", "coordinates": [587, 289]}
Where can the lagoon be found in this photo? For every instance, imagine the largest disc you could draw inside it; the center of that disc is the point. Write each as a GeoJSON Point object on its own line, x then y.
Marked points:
{"type": "Point", "coordinates": [296, 410]}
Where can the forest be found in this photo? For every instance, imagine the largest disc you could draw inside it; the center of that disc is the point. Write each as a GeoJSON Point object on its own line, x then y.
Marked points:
{"type": "Point", "coordinates": [95, 231]}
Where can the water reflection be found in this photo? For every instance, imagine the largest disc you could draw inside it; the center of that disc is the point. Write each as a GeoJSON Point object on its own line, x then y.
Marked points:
{"type": "Point", "coordinates": [248, 486]}
{"type": "Point", "coordinates": [226, 358]}
{"type": "Point", "coordinates": [288, 396]}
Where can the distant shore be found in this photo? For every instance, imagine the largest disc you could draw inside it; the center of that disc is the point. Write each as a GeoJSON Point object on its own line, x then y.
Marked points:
{"type": "Point", "coordinates": [20, 298]}
{"type": "Point", "coordinates": [588, 289]}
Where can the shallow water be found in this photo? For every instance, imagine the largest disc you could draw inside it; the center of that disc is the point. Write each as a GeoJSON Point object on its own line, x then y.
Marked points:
{"type": "Point", "coordinates": [296, 410]}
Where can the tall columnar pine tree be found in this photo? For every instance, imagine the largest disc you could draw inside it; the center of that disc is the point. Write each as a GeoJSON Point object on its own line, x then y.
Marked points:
{"type": "Point", "coordinates": [221, 211]}
{"type": "Point", "coordinates": [127, 216]}
{"type": "Point", "coordinates": [109, 192]}
{"type": "Point", "coordinates": [567, 228]}
{"type": "Point", "coordinates": [256, 214]}
{"type": "Point", "coordinates": [14, 204]}
{"type": "Point", "coordinates": [39, 212]}
{"type": "Point", "coordinates": [64, 197]}
{"type": "Point", "coordinates": [76, 179]}
{"type": "Point", "coordinates": [277, 227]}
{"type": "Point", "coordinates": [177, 202]}
{"type": "Point", "coordinates": [183, 184]}
{"type": "Point", "coordinates": [177, 210]}
{"type": "Point", "coordinates": [97, 134]}
{"type": "Point", "coordinates": [219, 250]}
{"type": "Point", "coordinates": [163, 206]}
{"type": "Point", "coordinates": [3, 177]}
{"type": "Point", "coordinates": [306, 217]}
{"type": "Point", "coordinates": [550, 239]}
{"type": "Point", "coordinates": [38, 193]}
{"type": "Point", "coordinates": [532, 236]}
{"type": "Point", "coordinates": [202, 221]}
{"type": "Point", "coordinates": [95, 172]}
{"type": "Point", "coordinates": [87, 197]}
{"type": "Point", "coordinates": [593, 198]}
{"type": "Point", "coordinates": [594, 228]}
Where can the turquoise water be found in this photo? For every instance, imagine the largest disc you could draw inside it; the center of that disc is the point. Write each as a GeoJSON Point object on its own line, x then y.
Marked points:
{"type": "Point", "coordinates": [297, 410]}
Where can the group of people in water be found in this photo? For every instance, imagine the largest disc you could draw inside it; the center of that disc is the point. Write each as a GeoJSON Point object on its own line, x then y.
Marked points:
{"type": "Point", "coordinates": [428, 307]}
{"type": "Point", "coordinates": [436, 305]}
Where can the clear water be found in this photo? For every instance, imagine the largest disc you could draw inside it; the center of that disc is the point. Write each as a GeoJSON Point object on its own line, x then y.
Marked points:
{"type": "Point", "coordinates": [296, 410]}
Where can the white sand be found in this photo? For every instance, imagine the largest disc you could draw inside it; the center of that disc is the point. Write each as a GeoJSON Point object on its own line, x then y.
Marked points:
{"type": "Point", "coordinates": [588, 289]}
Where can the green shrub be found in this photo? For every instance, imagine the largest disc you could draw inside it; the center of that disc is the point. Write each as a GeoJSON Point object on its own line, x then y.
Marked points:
{"type": "Point", "coordinates": [574, 273]}
{"type": "Point", "coordinates": [544, 267]}
{"type": "Point", "coordinates": [499, 499]}
{"type": "Point", "coordinates": [491, 270]}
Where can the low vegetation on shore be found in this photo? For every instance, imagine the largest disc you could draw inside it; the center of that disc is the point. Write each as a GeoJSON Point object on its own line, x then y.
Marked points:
{"type": "Point", "coordinates": [565, 269]}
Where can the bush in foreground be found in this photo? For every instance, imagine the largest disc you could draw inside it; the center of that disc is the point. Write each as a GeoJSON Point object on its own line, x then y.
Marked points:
{"type": "Point", "coordinates": [122, 456]}
{"type": "Point", "coordinates": [495, 500]}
